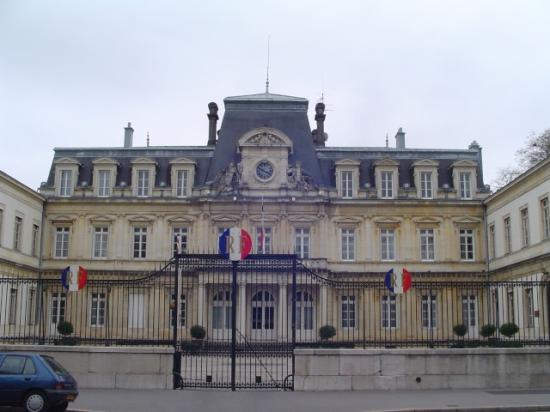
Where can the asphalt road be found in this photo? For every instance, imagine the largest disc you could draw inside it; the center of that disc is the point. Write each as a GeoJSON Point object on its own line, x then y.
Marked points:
{"type": "Point", "coordinates": [270, 401]}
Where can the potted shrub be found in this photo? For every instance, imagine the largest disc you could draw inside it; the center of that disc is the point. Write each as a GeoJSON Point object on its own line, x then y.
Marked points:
{"type": "Point", "coordinates": [326, 332]}
{"type": "Point", "coordinates": [65, 329]}
{"type": "Point", "coordinates": [487, 331]}
{"type": "Point", "coordinates": [460, 330]}
{"type": "Point", "coordinates": [198, 333]}
{"type": "Point", "coordinates": [509, 329]}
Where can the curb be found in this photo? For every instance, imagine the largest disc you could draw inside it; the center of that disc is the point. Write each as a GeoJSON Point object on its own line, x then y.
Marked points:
{"type": "Point", "coordinates": [525, 408]}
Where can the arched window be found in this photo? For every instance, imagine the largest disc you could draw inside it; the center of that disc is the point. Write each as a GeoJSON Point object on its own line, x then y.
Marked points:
{"type": "Point", "coordinates": [263, 311]}
{"type": "Point", "coordinates": [221, 310]}
{"type": "Point", "coordinates": [304, 310]}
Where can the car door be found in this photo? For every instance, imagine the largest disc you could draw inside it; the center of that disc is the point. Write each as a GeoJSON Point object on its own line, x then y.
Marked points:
{"type": "Point", "coordinates": [17, 374]}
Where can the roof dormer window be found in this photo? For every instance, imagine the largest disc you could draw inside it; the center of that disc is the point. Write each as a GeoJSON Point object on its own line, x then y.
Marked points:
{"type": "Point", "coordinates": [464, 178]}
{"type": "Point", "coordinates": [66, 175]}
{"type": "Point", "coordinates": [347, 178]}
{"type": "Point", "coordinates": [182, 176]}
{"type": "Point", "coordinates": [425, 178]}
{"type": "Point", "coordinates": [387, 178]}
{"type": "Point", "coordinates": [143, 176]}
{"type": "Point", "coordinates": [143, 183]}
{"type": "Point", "coordinates": [66, 184]}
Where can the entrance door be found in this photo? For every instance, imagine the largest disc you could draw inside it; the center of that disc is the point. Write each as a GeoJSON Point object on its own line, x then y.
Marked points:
{"type": "Point", "coordinates": [304, 316]}
{"type": "Point", "coordinates": [263, 316]}
{"type": "Point", "coordinates": [58, 304]}
{"type": "Point", "coordinates": [469, 315]}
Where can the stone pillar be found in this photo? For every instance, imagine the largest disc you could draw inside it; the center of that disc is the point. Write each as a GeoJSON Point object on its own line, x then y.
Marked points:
{"type": "Point", "coordinates": [283, 311]}
{"type": "Point", "coordinates": [241, 310]}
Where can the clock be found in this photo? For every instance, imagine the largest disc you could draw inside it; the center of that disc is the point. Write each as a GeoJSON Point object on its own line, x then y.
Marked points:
{"type": "Point", "coordinates": [264, 170]}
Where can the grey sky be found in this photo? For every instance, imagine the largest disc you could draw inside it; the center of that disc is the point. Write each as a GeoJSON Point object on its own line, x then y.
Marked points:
{"type": "Point", "coordinates": [72, 73]}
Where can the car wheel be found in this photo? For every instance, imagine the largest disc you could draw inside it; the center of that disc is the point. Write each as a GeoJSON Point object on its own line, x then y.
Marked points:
{"type": "Point", "coordinates": [36, 401]}
{"type": "Point", "coordinates": [60, 407]}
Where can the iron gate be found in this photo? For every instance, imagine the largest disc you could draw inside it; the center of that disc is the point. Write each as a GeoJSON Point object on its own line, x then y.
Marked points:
{"type": "Point", "coordinates": [234, 322]}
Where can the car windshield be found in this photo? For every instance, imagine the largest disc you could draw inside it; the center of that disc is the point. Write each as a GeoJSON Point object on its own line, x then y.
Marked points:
{"type": "Point", "coordinates": [57, 368]}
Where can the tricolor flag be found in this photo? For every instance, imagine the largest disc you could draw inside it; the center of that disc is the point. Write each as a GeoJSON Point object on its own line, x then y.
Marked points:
{"type": "Point", "coordinates": [398, 284]}
{"type": "Point", "coordinates": [74, 278]}
{"type": "Point", "coordinates": [235, 243]}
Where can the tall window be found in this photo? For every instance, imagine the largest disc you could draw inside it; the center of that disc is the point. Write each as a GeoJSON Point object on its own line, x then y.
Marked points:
{"type": "Point", "coordinates": [492, 247]}
{"type": "Point", "coordinates": [387, 185]}
{"type": "Point", "coordinates": [348, 311]}
{"type": "Point", "coordinates": [301, 241]}
{"type": "Point", "coordinates": [59, 299]}
{"type": "Point", "coordinates": [507, 235]}
{"type": "Point", "coordinates": [389, 311]}
{"type": "Point", "coordinates": [467, 244]}
{"type": "Point", "coordinates": [104, 184]}
{"type": "Point", "coordinates": [263, 311]}
{"type": "Point", "coordinates": [465, 185]}
{"type": "Point", "coordinates": [304, 310]}
{"type": "Point", "coordinates": [101, 238]}
{"type": "Point", "coordinates": [221, 310]}
{"type": "Point", "coordinates": [181, 188]}
{"type": "Point", "coordinates": [35, 239]}
{"type": "Point", "coordinates": [97, 313]}
{"type": "Point", "coordinates": [177, 234]}
{"type": "Point", "coordinates": [140, 242]}
{"type": "Point", "coordinates": [348, 244]}
{"type": "Point", "coordinates": [427, 244]}
{"type": "Point", "coordinates": [13, 306]}
{"type": "Point", "coordinates": [545, 215]}
{"type": "Point", "coordinates": [136, 310]}
{"type": "Point", "coordinates": [347, 184]}
{"type": "Point", "coordinates": [387, 242]}
{"type": "Point", "coordinates": [143, 183]}
{"type": "Point", "coordinates": [429, 311]}
{"type": "Point", "coordinates": [17, 231]}
{"type": "Point", "coordinates": [263, 240]}
{"type": "Point", "coordinates": [426, 191]}
{"type": "Point", "coordinates": [66, 188]}
{"type": "Point", "coordinates": [183, 310]}
{"type": "Point", "coordinates": [61, 242]}
{"type": "Point", "coordinates": [524, 213]}
{"type": "Point", "coordinates": [529, 306]}
{"type": "Point", "coordinates": [469, 315]}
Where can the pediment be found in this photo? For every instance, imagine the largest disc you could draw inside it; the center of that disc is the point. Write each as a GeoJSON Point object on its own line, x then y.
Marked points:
{"type": "Point", "coordinates": [182, 161]}
{"type": "Point", "coordinates": [180, 219]}
{"type": "Point", "coordinates": [386, 162]}
{"type": "Point", "coordinates": [426, 220]}
{"type": "Point", "coordinates": [265, 137]}
{"type": "Point", "coordinates": [101, 218]}
{"type": "Point", "coordinates": [348, 220]}
{"type": "Point", "coordinates": [302, 219]}
{"type": "Point", "coordinates": [143, 161]}
{"type": "Point", "coordinates": [141, 219]}
{"type": "Point", "coordinates": [62, 219]}
{"type": "Point", "coordinates": [105, 161]}
{"type": "Point", "coordinates": [425, 163]}
{"type": "Point", "coordinates": [66, 161]}
{"type": "Point", "coordinates": [387, 220]}
{"type": "Point", "coordinates": [465, 220]}
{"type": "Point", "coordinates": [347, 162]}
{"type": "Point", "coordinates": [464, 163]}
{"type": "Point", "coordinates": [226, 218]}
{"type": "Point", "coordinates": [266, 218]}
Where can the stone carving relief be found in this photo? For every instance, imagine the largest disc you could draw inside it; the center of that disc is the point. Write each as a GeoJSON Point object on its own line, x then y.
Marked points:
{"type": "Point", "coordinates": [228, 180]}
{"type": "Point", "coordinates": [266, 139]}
{"type": "Point", "coordinates": [298, 179]}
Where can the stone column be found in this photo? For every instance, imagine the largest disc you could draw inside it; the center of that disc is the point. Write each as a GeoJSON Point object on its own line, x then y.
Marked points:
{"type": "Point", "coordinates": [283, 311]}
{"type": "Point", "coordinates": [201, 301]}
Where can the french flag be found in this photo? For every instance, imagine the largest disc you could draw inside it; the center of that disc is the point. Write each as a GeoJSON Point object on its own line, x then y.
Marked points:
{"type": "Point", "coordinates": [398, 284]}
{"type": "Point", "coordinates": [74, 278]}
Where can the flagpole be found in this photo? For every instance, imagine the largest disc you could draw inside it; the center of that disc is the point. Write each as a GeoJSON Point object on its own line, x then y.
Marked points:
{"type": "Point", "coordinates": [263, 229]}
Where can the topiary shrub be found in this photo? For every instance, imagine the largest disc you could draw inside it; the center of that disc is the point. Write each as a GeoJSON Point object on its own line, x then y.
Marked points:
{"type": "Point", "coordinates": [488, 330]}
{"type": "Point", "coordinates": [509, 329]}
{"type": "Point", "coordinates": [65, 328]}
{"type": "Point", "coordinates": [198, 332]}
{"type": "Point", "coordinates": [460, 330]}
{"type": "Point", "coordinates": [326, 332]}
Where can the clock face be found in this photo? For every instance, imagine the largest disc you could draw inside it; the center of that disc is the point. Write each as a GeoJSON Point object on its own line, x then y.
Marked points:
{"type": "Point", "coordinates": [264, 170]}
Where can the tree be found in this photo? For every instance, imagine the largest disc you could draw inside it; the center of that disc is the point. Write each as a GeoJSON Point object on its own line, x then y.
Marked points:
{"type": "Point", "coordinates": [535, 149]}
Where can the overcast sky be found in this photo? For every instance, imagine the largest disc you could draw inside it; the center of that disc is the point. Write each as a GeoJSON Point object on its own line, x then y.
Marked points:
{"type": "Point", "coordinates": [73, 73]}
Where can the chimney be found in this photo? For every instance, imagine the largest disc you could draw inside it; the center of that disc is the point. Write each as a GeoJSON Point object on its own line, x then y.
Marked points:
{"type": "Point", "coordinates": [319, 135]}
{"type": "Point", "coordinates": [212, 120]}
{"type": "Point", "coordinates": [400, 139]}
{"type": "Point", "coordinates": [128, 135]}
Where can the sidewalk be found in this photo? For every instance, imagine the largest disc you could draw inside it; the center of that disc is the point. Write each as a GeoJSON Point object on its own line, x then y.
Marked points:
{"type": "Point", "coordinates": [268, 401]}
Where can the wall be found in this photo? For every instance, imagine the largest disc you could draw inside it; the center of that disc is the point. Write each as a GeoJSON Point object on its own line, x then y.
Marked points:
{"type": "Point", "coordinates": [117, 367]}
{"type": "Point", "coordinates": [398, 369]}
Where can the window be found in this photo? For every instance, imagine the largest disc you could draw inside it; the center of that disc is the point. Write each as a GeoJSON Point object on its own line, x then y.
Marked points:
{"type": "Point", "coordinates": [35, 239]}
{"type": "Point", "coordinates": [61, 242]}
{"type": "Point", "coordinates": [97, 315]}
{"type": "Point", "coordinates": [101, 238]}
{"type": "Point", "coordinates": [469, 310]}
{"type": "Point", "coordinates": [465, 185]}
{"type": "Point", "coordinates": [17, 365]}
{"type": "Point", "coordinates": [140, 242]}
{"type": "Point", "coordinates": [426, 191]}
{"type": "Point", "coordinates": [387, 185]}
{"type": "Point", "coordinates": [183, 310]}
{"type": "Point", "coordinates": [221, 310]}
{"type": "Point", "coordinates": [263, 311]}
{"type": "Point", "coordinates": [301, 240]}
{"type": "Point", "coordinates": [348, 244]}
{"type": "Point", "coordinates": [179, 233]}
{"type": "Point", "coordinates": [181, 184]}
{"type": "Point", "coordinates": [66, 188]}
{"type": "Point", "coordinates": [492, 247]}
{"type": "Point", "coordinates": [427, 245]}
{"type": "Point", "coordinates": [429, 311]}
{"type": "Point", "coordinates": [347, 184]}
{"type": "Point", "coordinates": [143, 183]}
{"type": "Point", "coordinates": [507, 235]}
{"type": "Point", "coordinates": [524, 213]}
{"type": "Point", "coordinates": [263, 240]}
{"type": "Point", "coordinates": [13, 306]}
{"type": "Point", "coordinates": [59, 299]}
{"type": "Point", "coordinates": [387, 242]}
{"type": "Point", "coordinates": [467, 244]}
{"type": "Point", "coordinates": [304, 310]}
{"type": "Point", "coordinates": [17, 231]}
{"type": "Point", "coordinates": [389, 311]}
{"type": "Point", "coordinates": [545, 215]}
{"type": "Point", "coordinates": [529, 308]}
{"type": "Point", "coordinates": [348, 311]}
{"type": "Point", "coordinates": [136, 310]}
{"type": "Point", "coordinates": [104, 183]}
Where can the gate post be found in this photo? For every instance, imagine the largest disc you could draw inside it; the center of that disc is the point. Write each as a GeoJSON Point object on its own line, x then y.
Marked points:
{"type": "Point", "coordinates": [233, 323]}
{"type": "Point", "coordinates": [176, 366]}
